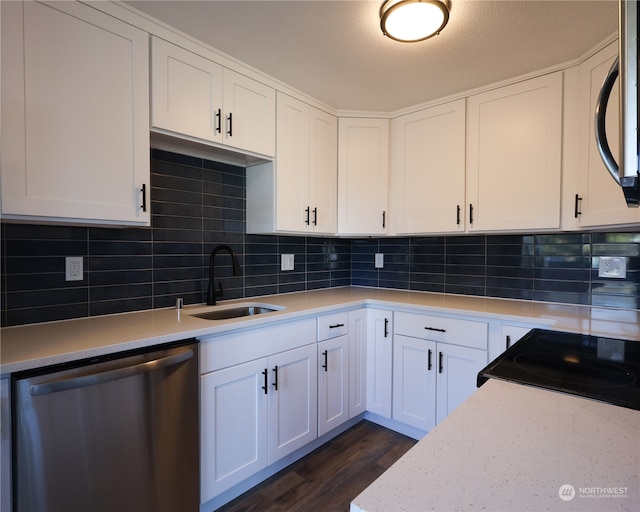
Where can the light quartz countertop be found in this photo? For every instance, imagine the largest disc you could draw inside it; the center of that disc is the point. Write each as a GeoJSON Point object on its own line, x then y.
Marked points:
{"type": "Point", "coordinates": [512, 448]}
{"type": "Point", "coordinates": [43, 344]}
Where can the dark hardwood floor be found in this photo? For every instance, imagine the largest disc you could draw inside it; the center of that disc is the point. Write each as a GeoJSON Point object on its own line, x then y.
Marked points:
{"type": "Point", "coordinates": [331, 476]}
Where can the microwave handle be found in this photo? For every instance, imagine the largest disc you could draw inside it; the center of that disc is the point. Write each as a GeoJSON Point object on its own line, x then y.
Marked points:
{"type": "Point", "coordinates": [601, 114]}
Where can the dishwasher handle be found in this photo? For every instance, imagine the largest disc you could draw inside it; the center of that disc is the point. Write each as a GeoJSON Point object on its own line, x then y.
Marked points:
{"type": "Point", "coordinates": [93, 379]}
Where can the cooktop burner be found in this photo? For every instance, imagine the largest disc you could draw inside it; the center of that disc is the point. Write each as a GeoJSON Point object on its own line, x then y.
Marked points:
{"type": "Point", "coordinates": [604, 369]}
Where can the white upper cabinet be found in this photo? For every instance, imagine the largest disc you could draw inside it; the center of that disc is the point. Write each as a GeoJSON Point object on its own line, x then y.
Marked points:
{"type": "Point", "coordinates": [194, 97]}
{"type": "Point", "coordinates": [297, 194]}
{"type": "Point", "coordinates": [599, 201]}
{"type": "Point", "coordinates": [514, 149]}
{"type": "Point", "coordinates": [363, 176]}
{"type": "Point", "coordinates": [428, 170]}
{"type": "Point", "coordinates": [75, 116]}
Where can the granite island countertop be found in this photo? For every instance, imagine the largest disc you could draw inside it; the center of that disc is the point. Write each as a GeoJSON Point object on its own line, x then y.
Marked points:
{"type": "Point", "coordinates": [513, 448]}
{"type": "Point", "coordinates": [37, 345]}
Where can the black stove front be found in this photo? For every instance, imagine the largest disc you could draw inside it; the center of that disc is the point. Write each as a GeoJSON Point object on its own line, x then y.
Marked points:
{"type": "Point", "coordinates": [603, 369]}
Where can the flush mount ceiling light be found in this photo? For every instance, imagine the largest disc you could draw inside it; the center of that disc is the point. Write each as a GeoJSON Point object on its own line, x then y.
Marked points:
{"type": "Point", "coordinates": [409, 21]}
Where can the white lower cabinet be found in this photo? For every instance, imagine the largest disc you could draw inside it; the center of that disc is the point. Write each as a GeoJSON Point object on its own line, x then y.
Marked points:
{"type": "Point", "coordinates": [431, 378]}
{"type": "Point", "coordinates": [255, 413]}
{"type": "Point", "coordinates": [379, 358]}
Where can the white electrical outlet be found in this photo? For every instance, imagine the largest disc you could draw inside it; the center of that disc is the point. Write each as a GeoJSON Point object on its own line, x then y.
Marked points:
{"type": "Point", "coordinates": [613, 267]}
{"type": "Point", "coordinates": [379, 260]}
{"type": "Point", "coordinates": [287, 262]}
{"type": "Point", "coordinates": [73, 268]}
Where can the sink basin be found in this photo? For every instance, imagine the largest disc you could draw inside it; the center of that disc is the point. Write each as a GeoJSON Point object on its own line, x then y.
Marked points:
{"type": "Point", "coordinates": [236, 312]}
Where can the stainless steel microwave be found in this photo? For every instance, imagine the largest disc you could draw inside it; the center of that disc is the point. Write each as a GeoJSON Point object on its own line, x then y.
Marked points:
{"type": "Point", "coordinates": [627, 172]}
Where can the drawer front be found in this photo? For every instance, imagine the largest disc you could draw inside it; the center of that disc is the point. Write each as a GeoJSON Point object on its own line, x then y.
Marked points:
{"type": "Point", "coordinates": [442, 329]}
{"type": "Point", "coordinates": [332, 326]}
{"type": "Point", "coordinates": [226, 350]}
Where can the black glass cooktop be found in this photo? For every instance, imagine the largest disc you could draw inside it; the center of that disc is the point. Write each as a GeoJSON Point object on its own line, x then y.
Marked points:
{"type": "Point", "coordinates": [604, 369]}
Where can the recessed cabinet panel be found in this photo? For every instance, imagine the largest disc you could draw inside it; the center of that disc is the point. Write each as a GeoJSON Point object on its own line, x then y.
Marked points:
{"type": "Point", "coordinates": [187, 91]}
{"type": "Point", "coordinates": [363, 176]}
{"type": "Point", "coordinates": [514, 156]}
{"type": "Point", "coordinates": [429, 170]}
{"type": "Point", "coordinates": [75, 106]}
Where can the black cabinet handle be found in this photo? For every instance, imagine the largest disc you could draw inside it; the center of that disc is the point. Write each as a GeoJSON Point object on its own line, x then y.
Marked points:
{"type": "Point", "coordinates": [336, 326]}
{"type": "Point", "coordinates": [266, 386]}
{"type": "Point", "coordinates": [315, 216]}
{"type": "Point", "coordinates": [230, 125]}
{"type": "Point", "coordinates": [219, 121]}
{"type": "Point", "coordinates": [326, 363]}
{"type": "Point", "coordinates": [470, 213]}
{"type": "Point", "coordinates": [508, 341]}
{"type": "Point", "coordinates": [384, 220]}
{"type": "Point", "coordinates": [429, 365]}
{"type": "Point", "coordinates": [435, 329]}
{"type": "Point", "coordinates": [458, 214]}
{"type": "Point", "coordinates": [144, 197]}
{"type": "Point", "coordinates": [307, 211]}
{"type": "Point", "coordinates": [386, 327]}
{"type": "Point", "coordinates": [275, 378]}
{"type": "Point", "coordinates": [576, 209]}
{"type": "Point", "coordinates": [439, 362]}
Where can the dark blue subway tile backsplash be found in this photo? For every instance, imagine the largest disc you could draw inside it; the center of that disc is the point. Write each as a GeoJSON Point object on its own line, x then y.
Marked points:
{"type": "Point", "coordinates": [198, 204]}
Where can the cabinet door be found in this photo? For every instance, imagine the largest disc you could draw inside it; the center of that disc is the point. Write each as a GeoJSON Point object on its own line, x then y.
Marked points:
{"type": "Point", "coordinates": [363, 176]}
{"type": "Point", "coordinates": [75, 115]}
{"type": "Point", "coordinates": [323, 172]}
{"type": "Point", "coordinates": [414, 382]}
{"type": "Point", "coordinates": [249, 109]}
{"type": "Point", "coordinates": [292, 165]}
{"type": "Point", "coordinates": [357, 362]}
{"type": "Point", "coordinates": [233, 426]}
{"type": "Point", "coordinates": [293, 401]}
{"type": "Point", "coordinates": [458, 368]}
{"type": "Point", "coordinates": [333, 383]}
{"type": "Point", "coordinates": [186, 92]}
{"type": "Point", "coordinates": [379, 361]}
{"type": "Point", "coordinates": [429, 170]}
{"type": "Point", "coordinates": [602, 201]}
{"type": "Point", "coordinates": [514, 156]}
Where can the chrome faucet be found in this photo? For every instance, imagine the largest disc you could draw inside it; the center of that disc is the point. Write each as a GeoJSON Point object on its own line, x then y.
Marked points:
{"type": "Point", "coordinates": [212, 293]}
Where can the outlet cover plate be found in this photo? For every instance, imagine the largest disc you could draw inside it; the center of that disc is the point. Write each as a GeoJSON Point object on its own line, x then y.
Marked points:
{"type": "Point", "coordinates": [73, 268]}
{"type": "Point", "coordinates": [379, 260]}
{"type": "Point", "coordinates": [287, 262]}
{"type": "Point", "coordinates": [614, 267]}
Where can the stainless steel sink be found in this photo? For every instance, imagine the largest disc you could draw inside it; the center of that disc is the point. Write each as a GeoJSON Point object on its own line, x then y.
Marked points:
{"type": "Point", "coordinates": [236, 312]}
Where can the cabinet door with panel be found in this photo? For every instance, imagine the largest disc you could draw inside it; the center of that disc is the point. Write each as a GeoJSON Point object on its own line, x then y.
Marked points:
{"type": "Point", "coordinates": [357, 362]}
{"type": "Point", "coordinates": [429, 170]}
{"type": "Point", "coordinates": [458, 368]}
{"type": "Point", "coordinates": [514, 147]}
{"type": "Point", "coordinates": [379, 361]}
{"type": "Point", "coordinates": [293, 401]}
{"type": "Point", "coordinates": [233, 431]}
{"type": "Point", "coordinates": [599, 200]}
{"type": "Point", "coordinates": [414, 381]}
{"type": "Point", "coordinates": [75, 116]}
{"type": "Point", "coordinates": [363, 176]}
{"type": "Point", "coordinates": [333, 383]}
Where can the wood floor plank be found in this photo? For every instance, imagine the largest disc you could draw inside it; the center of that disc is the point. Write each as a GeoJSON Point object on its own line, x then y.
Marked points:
{"type": "Point", "coordinates": [329, 478]}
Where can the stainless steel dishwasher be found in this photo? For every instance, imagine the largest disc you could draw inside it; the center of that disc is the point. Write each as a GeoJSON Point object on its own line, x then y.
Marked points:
{"type": "Point", "coordinates": [110, 434]}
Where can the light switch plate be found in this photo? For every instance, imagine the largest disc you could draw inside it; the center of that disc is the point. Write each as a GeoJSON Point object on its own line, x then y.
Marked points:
{"type": "Point", "coordinates": [379, 260]}
{"type": "Point", "coordinates": [613, 267]}
{"type": "Point", "coordinates": [287, 262]}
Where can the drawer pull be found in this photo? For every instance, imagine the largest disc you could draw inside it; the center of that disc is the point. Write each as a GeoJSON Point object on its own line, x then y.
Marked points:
{"type": "Point", "coordinates": [336, 326]}
{"type": "Point", "coordinates": [435, 329]}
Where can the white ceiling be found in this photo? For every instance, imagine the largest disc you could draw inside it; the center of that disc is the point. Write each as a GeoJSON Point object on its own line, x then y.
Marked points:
{"type": "Point", "coordinates": [334, 50]}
